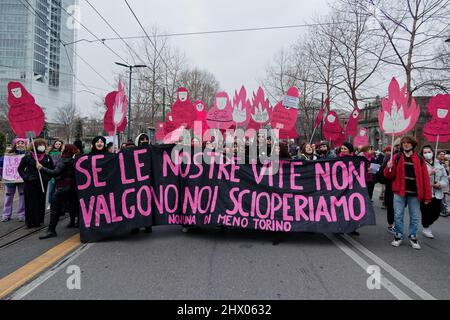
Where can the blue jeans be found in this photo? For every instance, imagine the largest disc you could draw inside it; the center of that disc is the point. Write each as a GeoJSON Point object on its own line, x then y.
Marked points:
{"type": "Point", "coordinates": [414, 215]}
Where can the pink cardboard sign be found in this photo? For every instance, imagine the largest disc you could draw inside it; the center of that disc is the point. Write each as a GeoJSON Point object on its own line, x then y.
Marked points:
{"type": "Point", "coordinates": [220, 116]}
{"type": "Point", "coordinates": [332, 129]}
{"type": "Point", "coordinates": [396, 118]}
{"type": "Point", "coordinates": [170, 125]}
{"type": "Point", "coordinates": [241, 108]}
{"type": "Point", "coordinates": [159, 135]}
{"type": "Point", "coordinates": [24, 114]}
{"type": "Point", "coordinates": [439, 125]}
{"type": "Point", "coordinates": [361, 140]}
{"type": "Point", "coordinates": [284, 116]}
{"type": "Point", "coordinates": [10, 165]}
{"type": "Point", "coordinates": [183, 111]}
{"type": "Point", "coordinates": [116, 108]}
{"type": "Point", "coordinates": [200, 125]}
{"type": "Point", "coordinates": [260, 111]}
{"type": "Point", "coordinates": [352, 125]}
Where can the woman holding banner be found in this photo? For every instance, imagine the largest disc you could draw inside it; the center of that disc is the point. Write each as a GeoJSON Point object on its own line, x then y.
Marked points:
{"type": "Point", "coordinates": [66, 192]}
{"type": "Point", "coordinates": [19, 146]}
{"type": "Point", "coordinates": [99, 145]}
{"type": "Point", "coordinates": [438, 182]}
{"type": "Point", "coordinates": [34, 187]}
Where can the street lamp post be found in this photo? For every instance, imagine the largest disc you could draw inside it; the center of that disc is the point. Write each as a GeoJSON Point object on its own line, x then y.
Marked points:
{"type": "Point", "coordinates": [130, 67]}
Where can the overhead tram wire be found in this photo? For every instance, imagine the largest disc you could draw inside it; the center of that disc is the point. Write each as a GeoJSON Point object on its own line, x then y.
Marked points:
{"type": "Point", "coordinates": [114, 30]}
{"type": "Point", "coordinates": [87, 29]}
{"type": "Point", "coordinates": [148, 37]}
{"type": "Point", "coordinates": [215, 32]}
{"type": "Point", "coordinates": [36, 14]}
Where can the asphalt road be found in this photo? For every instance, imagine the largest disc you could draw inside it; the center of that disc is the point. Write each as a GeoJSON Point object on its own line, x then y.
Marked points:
{"type": "Point", "coordinates": [234, 264]}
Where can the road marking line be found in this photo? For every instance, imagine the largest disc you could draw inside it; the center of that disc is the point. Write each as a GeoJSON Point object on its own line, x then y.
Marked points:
{"type": "Point", "coordinates": [27, 289]}
{"type": "Point", "coordinates": [26, 273]}
{"type": "Point", "coordinates": [396, 274]}
{"type": "Point", "coordinates": [392, 288]}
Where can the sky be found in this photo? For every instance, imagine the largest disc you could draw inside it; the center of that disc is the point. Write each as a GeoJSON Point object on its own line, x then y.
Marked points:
{"type": "Point", "coordinates": [235, 59]}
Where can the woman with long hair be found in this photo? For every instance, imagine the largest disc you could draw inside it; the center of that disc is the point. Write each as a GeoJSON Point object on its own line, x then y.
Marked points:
{"type": "Point", "coordinates": [55, 154]}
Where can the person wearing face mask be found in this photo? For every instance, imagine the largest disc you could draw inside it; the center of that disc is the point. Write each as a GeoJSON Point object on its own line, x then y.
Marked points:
{"type": "Point", "coordinates": [33, 195]}
{"type": "Point", "coordinates": [19, 146]}
{"type": "Point", "coordinates": [66, 193]}
{"type": "Point", "coordinates": [411, 186]}
{"type": "Point", "coordinates": [142, 140]}
{"type": "Point", "coordinates": [438, 181]}
{"type": "Point", "coordinates": [99, 145]}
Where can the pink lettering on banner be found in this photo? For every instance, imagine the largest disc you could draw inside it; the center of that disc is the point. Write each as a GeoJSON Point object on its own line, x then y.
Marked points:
{"type": "Point", "coordinates": [362, 206]}
{"type": "Point", "coordinates": [139, 165]}
{"type": "Point", "coordinates": [258, 205]}
{"type": "Point", "coordinates": [360, 176]}
{"type": "Point", "coordinates": [275, 207]}
{"type": "Point", "coordinates": [114, 217]}
{"type": "Point", "coordinates": [266, 170]}
{"type": "Point", "coordinates": [322, 210]}
{"type": "Point", "coordinates": [342, 202]}
{"type": "Point", "coordinates": [208, 203]}
{"type": "Point", "coordinates": [191, 200]}
{"type": "Point", "coordinates": [128, 214]}
{"type": "Point", "coordinates": [236, 204]}
{"type": "Point", "coordinates": [158, 201]}
{"type": "Point", "coordinates": [324, 174]}
{"type": "Point", "coordinates": [301, 202]}
{"type": "Point", "coordinates": [148, 211]}
{"type": "Point", "coordinates": [101, 209]}
{"type": "Point", "coordinates": [295, 175]}
{"type": "Point", "coordinates": [96, 171]}
{"type": "Point", "coordinates": [286, 207]}
{"type": "Point", "coordinates": [87, 213]}
{"type": "Point", "coordinates": [166, 198]}
{"type": "Point", "coordinates": [167, 161]}
{"type": "Point", "coordinates": [343, 184]}
{"type": "Point", "coordinates": [123, 171]}
{"type": "Point", "coordinates": [84, 172]}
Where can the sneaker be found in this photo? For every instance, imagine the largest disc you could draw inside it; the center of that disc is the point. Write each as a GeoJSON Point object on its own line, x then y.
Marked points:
{"type": "Point", "coordinates": [391, 230]}
{"type": "Point", "coordinates": [397, 242]}
{"type": "Point", "coordinates": [47, 235]}
{"type": "Point", "coordinates": [445, 214]}
{"type": "Point", "coordinates": [414, 243]}
{"type": "Point", "coordinates": [4, 219]}
{"type": "Point", "coordinates": [427, 233]}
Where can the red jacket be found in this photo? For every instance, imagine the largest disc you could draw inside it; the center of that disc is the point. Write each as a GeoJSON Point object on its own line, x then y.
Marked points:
{"type": "Point", "coordinates": [397, 174]}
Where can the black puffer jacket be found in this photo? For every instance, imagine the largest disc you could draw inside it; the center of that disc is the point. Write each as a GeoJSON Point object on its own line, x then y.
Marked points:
{"type": "Point", "coordinates": [27, 169]}
{"type": "Point", "coordinates": [64, 173]}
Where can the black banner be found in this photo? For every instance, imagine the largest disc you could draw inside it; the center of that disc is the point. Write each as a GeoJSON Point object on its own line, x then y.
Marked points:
{"type": "Point", "coordinates": [149, 186]}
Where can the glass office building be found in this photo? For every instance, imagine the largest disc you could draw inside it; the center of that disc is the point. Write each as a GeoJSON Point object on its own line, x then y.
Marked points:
{"type": "Point", "coordinates": [31, 51]}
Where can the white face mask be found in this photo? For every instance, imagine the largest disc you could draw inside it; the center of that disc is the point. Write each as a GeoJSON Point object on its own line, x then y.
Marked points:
{"type": "Point", "coordinates": [41, 148]}
{"type": "Point", "coordinates": [428, 156]}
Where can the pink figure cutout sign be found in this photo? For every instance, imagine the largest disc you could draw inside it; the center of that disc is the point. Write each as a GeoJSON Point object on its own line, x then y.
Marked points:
{"type": "Point", "coordinates": [241, 108]}
{"type": "Point", "coordinates": [116, 107]}
{"type": "Point", "coordinates": [183, 111]}
{"type": "Point", "coordinates": [200, 127]}
{"type": "Point", "coordinates": [159, 135]}
{"type": "Point", "coordinates": [220, 116]}
{"type": "Point", "coordinates": [396, 118]}
{"type": "Point", "coordinates": [24, 114]}
{"type": "Point", "coordinates": [352, 125]}
{"type": "Point", "coordinates": [260, 111]}
{"type": "Point", "coordinates": [361, 140]}
{"type": "Point", "coordinates": [284, 114]}
{"type": "Point", "coordinates": [439, 125]}
{"type": "Point", "coordinates": [332, 129]}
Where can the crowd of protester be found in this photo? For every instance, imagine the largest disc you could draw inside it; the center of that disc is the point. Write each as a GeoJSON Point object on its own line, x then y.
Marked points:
{"type": "Point", "coordinates": [409, 178]}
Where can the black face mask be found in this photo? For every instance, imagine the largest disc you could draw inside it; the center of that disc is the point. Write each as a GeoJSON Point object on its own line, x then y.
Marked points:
{"type": "Point", "coordinates": [144, 143]}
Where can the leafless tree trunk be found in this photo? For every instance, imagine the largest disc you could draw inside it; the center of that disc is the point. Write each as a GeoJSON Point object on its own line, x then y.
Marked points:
{"type": "Point", "coordinates": [66, 116]}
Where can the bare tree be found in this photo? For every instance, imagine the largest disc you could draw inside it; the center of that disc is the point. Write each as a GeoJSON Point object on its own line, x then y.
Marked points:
{"type": "Point", "coordinates": [202, 85]}
{"type": "Point", "coordinates": [66, 117]}
{"type": "Point", "coordinates": [416, 30]}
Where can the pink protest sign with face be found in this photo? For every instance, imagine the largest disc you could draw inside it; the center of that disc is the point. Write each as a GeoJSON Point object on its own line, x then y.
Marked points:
{"type": "Point", "coordinates": [332, 129]}
{"type": "Point", "coordinates": [260, 111]}
{"type": "Point", "coordinates": [284, 114]}
{"type": "Point", "coordinates": [170, 125]}
{"type": "Point", "coordinates": [439, 125]}
{"type": "Point", "coordinates": [159, 135]}
{"type": "Point", "coordinates": [319, 117]}
{"type": "Point", "coordinates": [116, 108]}
{"type": "Point", "coordinates": [396, 118]}
{"type": "Point", "coordinates": [241, 108]}
{"type": "Point", "coordinates": [220, 116]}
{"type": "Point", "coordinates": [352, 125]}
{"type": "Point", "coordinates": [361, 140]}
{"type": "Point", "coordinates": [24, 114]}
{"type": "Point", "coordinates": [183, 111]}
